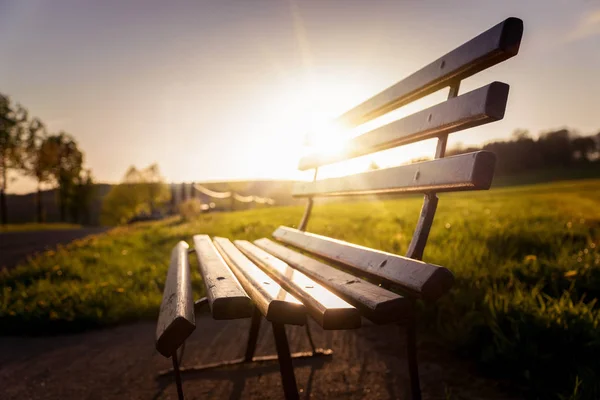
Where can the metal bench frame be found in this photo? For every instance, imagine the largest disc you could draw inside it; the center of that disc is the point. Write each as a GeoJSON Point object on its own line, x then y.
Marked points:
{"type": "Point", "coordinates": [489, 48]}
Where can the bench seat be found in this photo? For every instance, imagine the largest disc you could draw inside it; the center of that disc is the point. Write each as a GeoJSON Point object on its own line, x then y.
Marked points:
{"type": "Point", "coordinates": [375, 303]}
{"type": "Point", "coordinates": [226, 297]}
{"type": "Point", "coordinates": [415, 277]}
{"type": "Point", "coordinates": [327, 309]}
{"type": "Point", "coordinates": [274, 302]}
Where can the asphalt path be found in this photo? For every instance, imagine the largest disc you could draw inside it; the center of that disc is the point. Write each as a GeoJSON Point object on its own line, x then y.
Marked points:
{"type": "Point", "coordinates": [16, 246]}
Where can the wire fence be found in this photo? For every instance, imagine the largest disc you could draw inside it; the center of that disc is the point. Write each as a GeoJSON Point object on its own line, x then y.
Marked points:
{"type": "Point", "coordinates": [237, 197]}
{"type": "Point", "coordinates": [194, 190]}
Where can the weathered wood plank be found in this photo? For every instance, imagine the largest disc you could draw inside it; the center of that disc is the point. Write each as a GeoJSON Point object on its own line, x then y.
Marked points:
{"type": "Point", "coordinates": [489, 48]}
{"type": "Point", "coordinates": [472, 171]}
{"type": "Point", "coordinates": [377, 304]}
{"type": "Point", "coordinates": [226, 298]}
{"type": "Point", "coordinates": [330, 311]}
{"type": "Point", "coordinates": [276, 304]}
{"type": "Point", "coordinates": [176, 319]}
{"type": "Point", "coordinates": [416, 277]}
{"type": "Point", "coordinates": [475, 108]}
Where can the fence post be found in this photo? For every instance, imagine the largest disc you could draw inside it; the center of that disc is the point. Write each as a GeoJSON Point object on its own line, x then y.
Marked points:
{"type": "Point", "coordinates": [183, 193]}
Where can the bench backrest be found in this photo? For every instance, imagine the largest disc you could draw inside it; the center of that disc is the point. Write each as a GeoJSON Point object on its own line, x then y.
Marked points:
{"type": "Point", "coordinates": [473, 171]}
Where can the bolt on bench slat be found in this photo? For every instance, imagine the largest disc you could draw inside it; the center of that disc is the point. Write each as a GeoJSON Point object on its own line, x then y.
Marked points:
{"type": "Point", "coordinates": [473, 171]}
{"type": "Point", "coordinates": [330, 311]}
{"type": "Point", "coordinates": [176, 319]}
{"type": "Point", "coordinates": [478, 107]}
{"type": "Point", "coordinates": [272, 300]}
{"type": "Point", "coordinates": [417, 277]}
{"type": "Point", "coordinates": [226, 297]}
{"type": "Point", "coordinates": [376, 303]}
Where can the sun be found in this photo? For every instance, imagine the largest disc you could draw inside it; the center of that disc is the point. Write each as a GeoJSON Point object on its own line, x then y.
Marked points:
{"type": "Point", "coordinates": [326, 138]}
{"type": "Point", "coordinates": [299, 119]}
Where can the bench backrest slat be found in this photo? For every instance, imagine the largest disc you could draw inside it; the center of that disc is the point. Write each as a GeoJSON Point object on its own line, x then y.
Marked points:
{"type": "Point", "coordinates": [472, 171]}
{"type": "Point", "coordinates": [416, 277]}
{"type": "Point", "coordinates": [483, 51]}
{"type": "Point", "coordinates": [478, 107]}
{"type": "Point", "coordinates": [176, 320]}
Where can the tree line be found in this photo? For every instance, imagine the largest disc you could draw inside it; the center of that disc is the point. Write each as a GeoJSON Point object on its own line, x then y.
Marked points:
{"type": "Point", "coordinates": [556, 149]}
{"type": "Point", "coordinates": [52, 159]}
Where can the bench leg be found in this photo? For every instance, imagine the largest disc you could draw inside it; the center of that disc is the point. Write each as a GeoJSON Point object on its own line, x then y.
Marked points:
{"type": "Point", "coordinates": [411, 347]}
{"type": "Point", "coordinates": [253, 335]}
{"type": "Point", "coordinates": [285, 362]}
{"type": "Point", "coordinates": [177, 376]}
{"type": "Point", "coordinates": [310, 339]}
{"type": "Point", "coordinates": [249, 356]}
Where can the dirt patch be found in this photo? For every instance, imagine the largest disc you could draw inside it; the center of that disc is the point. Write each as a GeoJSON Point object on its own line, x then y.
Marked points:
{"type": "Point", "coordinates": [121, 363]}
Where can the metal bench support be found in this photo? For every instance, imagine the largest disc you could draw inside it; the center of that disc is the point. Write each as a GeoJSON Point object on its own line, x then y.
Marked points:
{"type": "Point", "coordinates": [253, 335]}
{"type": "Point", "coordinates": [411, 354]}
{"type": "Point", "coordinates": [283, 356]}
{"type": "Point", "coordinates": [288, 379]}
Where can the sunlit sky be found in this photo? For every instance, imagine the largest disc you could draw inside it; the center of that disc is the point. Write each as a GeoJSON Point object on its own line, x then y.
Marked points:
{"type": "Point", "coordinates": [217, 90]}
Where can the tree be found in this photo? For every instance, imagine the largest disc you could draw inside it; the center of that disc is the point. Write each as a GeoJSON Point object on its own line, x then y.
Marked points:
{"type": "Point", "coordinates": [67, 164]}
{"type": "Point", "coordinates": [555, 148]}
{"type": "Point", "coordinates": [141, 192]}
{"type": "Point", "coordinates": [584, 147]}
{"type": "Point", "coordinates": [520, 134]}
{"type": "Point", "coordinates": [81, 200]}
{"type": "Point", "coordinates": [155, 186]}
{"type": "Point", "coordinates": [11, 137]}
{"type": "Point", "coordinates": [38, 160]}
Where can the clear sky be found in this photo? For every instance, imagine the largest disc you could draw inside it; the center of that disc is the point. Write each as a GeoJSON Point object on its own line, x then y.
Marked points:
{"type": "Point", "coordinates": [227, 89]}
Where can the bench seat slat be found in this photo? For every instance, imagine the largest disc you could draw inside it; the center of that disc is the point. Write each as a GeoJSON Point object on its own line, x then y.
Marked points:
{"type": "Point", "coordinates": [226, 297]}
{"type": "Point", "coordinates": [416, 277]}
{"type": "Point", "coordinates": [330, 311]}
{"type": "Point", "coordinates": [276, 304]}
{"type": "Point", "coordinates": [491, 47]}
{"type": "Point", "coordinates": [176, 320]}
{"type": "Point", "coordinates": [375, 303]}
{"type": "Point", "coordinates": [473, 171]}
{"type": "Point", "coordinates": [478, 107]}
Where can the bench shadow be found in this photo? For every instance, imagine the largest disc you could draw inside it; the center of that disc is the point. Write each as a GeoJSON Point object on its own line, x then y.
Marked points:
{"type": "Point", "coordinates": [238, 374]}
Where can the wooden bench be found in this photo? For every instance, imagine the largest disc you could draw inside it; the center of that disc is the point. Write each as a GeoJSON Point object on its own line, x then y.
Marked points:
{"type": "Point", "coordinates": [277, 280]}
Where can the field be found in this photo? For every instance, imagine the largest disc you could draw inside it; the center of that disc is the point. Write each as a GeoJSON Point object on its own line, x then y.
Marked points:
{"type": "Point", "coordinates": [526, 260]}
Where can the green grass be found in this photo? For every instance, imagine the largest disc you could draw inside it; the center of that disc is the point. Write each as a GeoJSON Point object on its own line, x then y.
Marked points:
{"type": "Point", "coordinates": [36, 227]}
{"type": "Point", "coordinates": [526, 260]}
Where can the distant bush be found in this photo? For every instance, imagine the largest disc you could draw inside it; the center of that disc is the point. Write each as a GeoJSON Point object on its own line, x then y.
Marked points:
{"type": "Point", "coordinates": [143, 192]}
{"type": "Point", "coordinates": [190, 209]}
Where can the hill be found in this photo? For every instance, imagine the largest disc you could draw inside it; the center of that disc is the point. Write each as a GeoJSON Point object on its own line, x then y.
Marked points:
{"type": "Point", "coordinates": [21, 208]}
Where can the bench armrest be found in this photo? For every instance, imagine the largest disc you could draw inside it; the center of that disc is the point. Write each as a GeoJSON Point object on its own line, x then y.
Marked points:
{"type": "Point", "coordinates": [176, 318]}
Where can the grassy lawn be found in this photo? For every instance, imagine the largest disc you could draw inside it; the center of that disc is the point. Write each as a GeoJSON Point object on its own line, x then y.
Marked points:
{"type": "Point", "coordinates": [36, 227]}
{"type": "Point", "coordinates": [526, 260]}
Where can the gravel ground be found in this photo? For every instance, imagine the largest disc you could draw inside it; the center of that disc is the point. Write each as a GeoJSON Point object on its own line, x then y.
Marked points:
{"type": "Point", "coordinates": [121, 363]}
